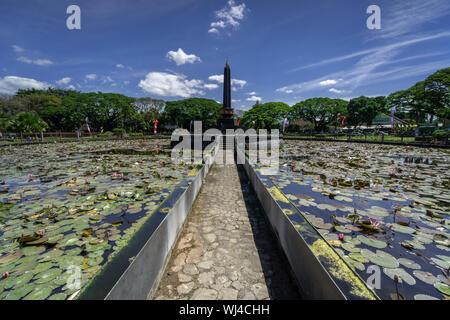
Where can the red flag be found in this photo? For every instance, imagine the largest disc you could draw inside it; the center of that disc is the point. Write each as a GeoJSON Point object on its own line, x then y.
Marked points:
{"type": "Point", "coordinates": [239, 121]}
{"type": "Point", "coordinates": [156, 127]}
{"type": "Point", "coordinates": [343, 120]}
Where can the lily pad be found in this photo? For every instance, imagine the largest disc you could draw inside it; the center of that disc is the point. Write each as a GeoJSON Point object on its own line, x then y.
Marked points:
{"type": "Point", "coordinates": [380, 258]}
{"type": "Point", "coordinates": [425, 277]}
{"type": "Point", "coordinates": [409, 263]}
{"type": "Point", "coordinates": [39, 293]}
{"type": "Point", "coordinates": [47, 275]}
{"type": "Point", "coordinates": [402, 275]}
{"type": "Point", "coordinates": [372, 242]}
{"type": "Point", "coordinates": [443, 288]}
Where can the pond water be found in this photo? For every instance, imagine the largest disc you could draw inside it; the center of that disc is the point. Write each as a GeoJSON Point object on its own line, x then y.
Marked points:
{"type": "Point", "coordinates": [75, 205]}
{"type": "Point", "coordinates": [384, 206]}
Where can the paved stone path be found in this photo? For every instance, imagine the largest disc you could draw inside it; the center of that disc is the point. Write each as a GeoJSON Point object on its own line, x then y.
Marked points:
{"type": "Point", "coordinates": [226, 250]}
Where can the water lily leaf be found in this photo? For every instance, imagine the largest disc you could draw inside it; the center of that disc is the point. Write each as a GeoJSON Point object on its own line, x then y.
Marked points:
{"type": "Point", "coordinates": [58, 296]}
{"type": "Point", "coordinates": [425, 276]}
{"type": "Point", "coordinates": [399, 228]}
{"type": "Point", "coordinates": [409, 263]}
{"type": "Point", "coordinates": [47, 275]}
{"type": "Point", "coordinates": [350, 247]}
{"type": "Point", "coordinates": [39, 293]}
{"type": "Point", "coordinates": [10, 257]}
{"type": "Point", "coordinates": [17, 294]}
{"type": "Point", "coordinates": [372, 242]}
{"type": "Point", "coordinates": [443, 288]}
{"type": "Point", "coordinates": [354, 264]}
{"type": "Point", "coordinates": [358, 257]}
{"type": "Point", "coordinates": [50, 255]}
{"type": "Point", "coordinates": [380, 258]}
{"type": "Point", "coordinates": [441, 263]}
{"type": "Point", "coordinates": [410, 244]}
{"type": "Point", "coordinates": [424, 297]}
{"type": "Point", "coordinates": [402, 275]}
{"type": "Point", "coordinates": [43, 266]}
{"type": "Point", "coordinates": [29, 251]}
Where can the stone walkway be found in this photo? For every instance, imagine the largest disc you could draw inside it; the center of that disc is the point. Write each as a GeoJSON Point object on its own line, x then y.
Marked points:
{"type": "Point", "coordinates": [227, 250]}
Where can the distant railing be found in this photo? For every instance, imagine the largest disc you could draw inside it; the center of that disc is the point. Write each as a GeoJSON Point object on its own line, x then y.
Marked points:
{"type": "Point", "coordinates": [23, 137]}
{"type": "Point", "coordinates": [387, 138]}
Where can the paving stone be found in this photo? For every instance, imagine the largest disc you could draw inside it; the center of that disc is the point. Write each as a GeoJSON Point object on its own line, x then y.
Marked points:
{"type": "Point", "coordinates": [226, 249]}
{"type": "Point", "coordinates": [204, 294]}
{"type": "Point", "coordinates": [184, 278]}
{"type": "Point", "coordinates": [228, 294]}
{"type": "Point", "coordinates": [185, 288]}
{"type": "Point", "coordinates": [190, 269]}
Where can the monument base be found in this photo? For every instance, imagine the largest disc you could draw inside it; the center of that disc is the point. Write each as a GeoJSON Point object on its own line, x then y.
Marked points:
{"type": "Point", "coordinates": [226, 123]}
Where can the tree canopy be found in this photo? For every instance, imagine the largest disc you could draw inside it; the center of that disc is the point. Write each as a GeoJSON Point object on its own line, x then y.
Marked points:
{"type": "Point", "coordinates": [66, 110]}
{"type": "Point", "coordinates": [319, 111]}
{"type": "Point", "coordinates": [265, 116]}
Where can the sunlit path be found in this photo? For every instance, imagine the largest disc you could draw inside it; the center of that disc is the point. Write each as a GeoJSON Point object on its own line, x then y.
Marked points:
{"type": "Point", "coordinates": [227, 250]}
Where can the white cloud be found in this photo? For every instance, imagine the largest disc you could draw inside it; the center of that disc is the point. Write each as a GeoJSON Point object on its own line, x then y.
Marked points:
{"type": "Point", "coordinates": [397, 45]}
{"type": "Point", "coordinates": [39, 62]}
{"type": "Point", "coordinates": [17, 48]}
{"type": "Point", "coordinates": [336, 91]}
{"type": "Point", "coordinates": [216, 77]}
{"type": "Point", "coordinates": [120, 66]}
{"type": "Point", "coordinates": [251, 93]}
{"type": "Point", "coordinates": [234, 82]}
{"type": "Point", "coordinates": [180, 57]}
{"type": "Point", "coordinates": [65, 80]}
{"type": "Point", "coordinates": [10, 84]}
{"type": "Point", "coordinates": [71, 87]}
{"type": "Point", "coordinates": [91, 76]}
{"type": "Point", "coordinates": [211, 86]}
{"type": "Point", "coordinates": [405, 17]}
{"type": "Point", "coordinates": [254, 98]}
{"type": "Point", "coordinates": [328, 82]}
{"type": "Point", "coordinates": [229, 16]}
{"type": "Point", "coordinates": [240, 83]}
{"type": "Point", "coordinates": [107, 79]}
{"type": "Point", "coordinates": [171, 85]}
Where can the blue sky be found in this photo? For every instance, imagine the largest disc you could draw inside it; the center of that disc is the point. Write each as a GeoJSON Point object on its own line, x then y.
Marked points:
{"type": "Point", "coordinates": [287, 50]}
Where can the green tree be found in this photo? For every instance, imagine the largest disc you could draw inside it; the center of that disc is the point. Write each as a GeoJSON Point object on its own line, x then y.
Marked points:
{"type": "Point", "coordinates": [27, 122]}
{"type": "Point", "coordinates": [363, 110]}
{"type": "Point", "coordinates": [181, 112]}
{"type": "Point", "coordinates": [322, 112]}
{"type": "Point", "coordinates": [268, 115]}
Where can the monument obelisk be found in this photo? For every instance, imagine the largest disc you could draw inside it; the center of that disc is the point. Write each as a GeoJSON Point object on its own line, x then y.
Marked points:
{"type": "Point", "coordinates": [227, 121]}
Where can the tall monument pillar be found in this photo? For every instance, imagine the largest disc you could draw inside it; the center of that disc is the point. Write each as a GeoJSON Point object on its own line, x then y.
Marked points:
{"type": "Point", "coordinates": [227, 121]}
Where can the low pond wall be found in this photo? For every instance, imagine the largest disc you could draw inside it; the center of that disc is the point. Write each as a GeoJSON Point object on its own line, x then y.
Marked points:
{"type": "Point", "coordinates": [135, 272]}
{"type": "Point", "coordinates": [319, 271]}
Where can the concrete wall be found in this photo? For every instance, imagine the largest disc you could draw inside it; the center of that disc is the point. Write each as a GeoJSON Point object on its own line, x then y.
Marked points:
{"type": "Point", "coordinates": [313, 279]}
{"type": "Point", "coordinates": [141, 278]}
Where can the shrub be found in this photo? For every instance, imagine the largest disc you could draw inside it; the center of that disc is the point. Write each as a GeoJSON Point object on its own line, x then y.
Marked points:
{"type": "Point", "coordinates": [441, 134]}
{"type": "Point", "coordinates": [119, 130]}
{"type": "Point", "coordinates": [423, 138]}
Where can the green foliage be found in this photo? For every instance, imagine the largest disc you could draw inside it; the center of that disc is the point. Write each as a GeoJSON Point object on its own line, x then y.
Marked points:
{"type": "Point", "coordinates": [319, 111]}
{"type": "Point", "coordinates": [119, 130]}
{"type": "Point", "coordinates": [428, 99]}
{"type": "Point", "coordinates": [441, 134]}
{"type": "Point", "coordinates": [181, 112]}
{"type": "Point", "coordinates": [27, 122]}
{"type": "Point", "coordinates": [364, 110]}
{"type": "Point", "coordinates": [266, 116]}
